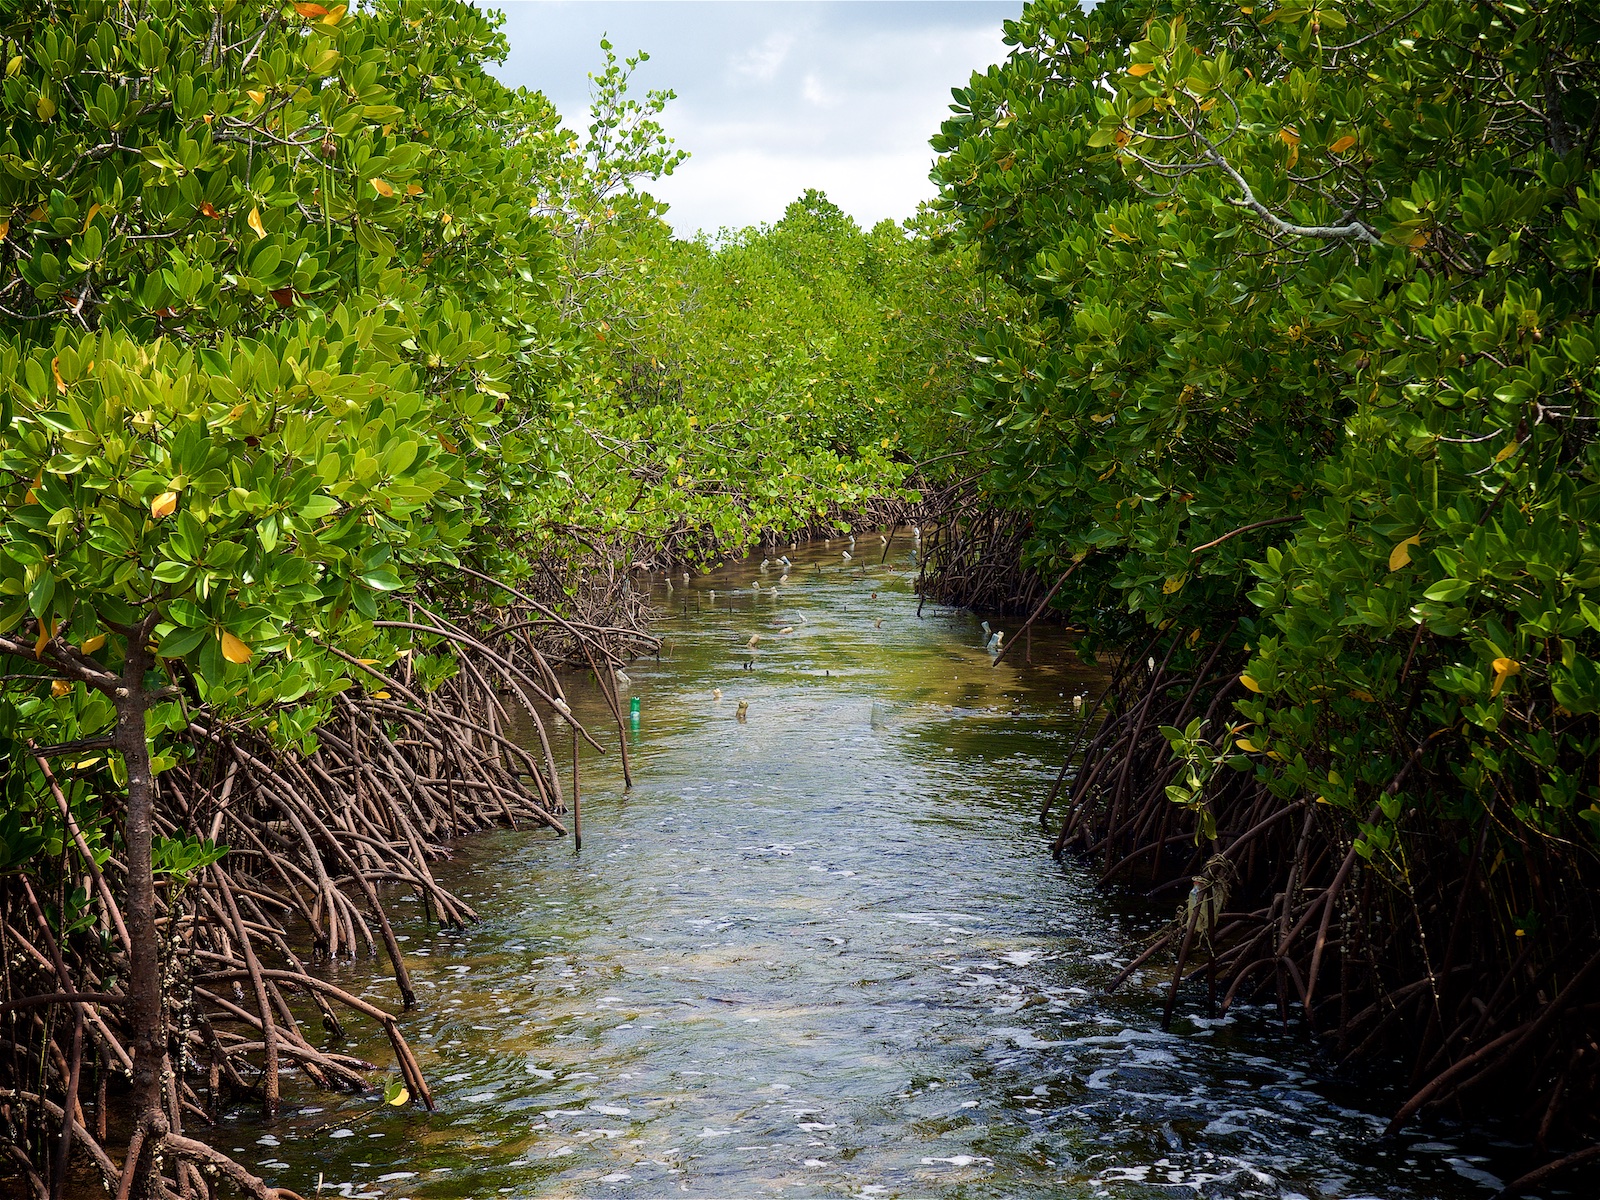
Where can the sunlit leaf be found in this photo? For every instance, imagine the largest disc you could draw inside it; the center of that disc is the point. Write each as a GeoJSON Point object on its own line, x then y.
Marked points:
{"type": "Point", "coordinates": [234, 650]}
{"type": "Point", "coordinates": [1400, 556]}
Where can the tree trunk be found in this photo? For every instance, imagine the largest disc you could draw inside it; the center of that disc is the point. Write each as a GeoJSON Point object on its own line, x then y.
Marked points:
{"type": "Point", "coordinates": [146, 1012]}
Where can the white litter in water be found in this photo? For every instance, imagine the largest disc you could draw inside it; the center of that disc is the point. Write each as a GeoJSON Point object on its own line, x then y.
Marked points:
{"type": "Point", "coordinates": [342, 1133]}
{"type": "Point", "coordinates": [958, 1160]}
{"type": "Point", "coordinates": [393, 1175]}
{"type": "Point", "coordinates": [1021, 958]}
{"type": "Point", "coordinates": [268, 1140]}
{"type": "Point", "coordinates": [609, 1110]}
{"type": "Point", "coordinates": [709, 1132]}
{"type": "Point", "coordinates": [616, 1177]}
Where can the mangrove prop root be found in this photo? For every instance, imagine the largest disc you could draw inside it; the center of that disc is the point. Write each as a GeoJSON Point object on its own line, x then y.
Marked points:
{"type": "Point", "coordinates": [320, 835]}
{"type": "Point", "coordinates": [1427, 963]}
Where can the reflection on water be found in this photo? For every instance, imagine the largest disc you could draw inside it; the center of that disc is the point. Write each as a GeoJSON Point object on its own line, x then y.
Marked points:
{"type": "Point", "coordinates": [823, 952]}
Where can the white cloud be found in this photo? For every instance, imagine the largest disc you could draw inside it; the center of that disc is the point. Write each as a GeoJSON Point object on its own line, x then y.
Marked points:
{"type": "Point", "coordinates": [761, 63]}
{"type": "Point", "coordinates": [774, 98]}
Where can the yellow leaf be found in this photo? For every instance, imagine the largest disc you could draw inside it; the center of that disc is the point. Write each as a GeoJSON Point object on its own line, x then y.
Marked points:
{"type": "Point", "coordinates": [93, 209]}
{"type": "Point", "coordinates": [1504, 668]}
{"type": "Point", "coordinates": [401, 1098]}
{"type": "Point", "coordinates": [55, 369]}
{"type": "Point", "coordinates": [164, 505]}
{"type": "Point", "coordinates": [1193, 638]}
{"type": "Point", "coordinates": [1290, 136]}
{"type": "Point", "coordinates": [335, 15]}
{"type": "Point", "coordinates": [1139, 69]}
{"type": "Point", "coordinates": [258, 97]}
{"type": "Point", "coordinates": [1249, 682]}
{"type": "Point", "coordinates": [383, 187]}
{"type": "Point", "coordinates": [234, 650]}
{"type": "Point", "coordinates": [13, 66]}
{"type": "Point", "coordinates": [1507, 452]}
{"type": "Point", "coordinates": [93, 644]}
{"type": "Point", "coordinates": [1247, 746]}
{"type": "Point", "coordinates": [1400, 556]}
{"type": "Point", "coordinates": [47, 630]}
{"type": "Point", "coordinates": [413, 189]}
{"type": "Point", "coordinates": [1173, 583]}
{"type": "Point", "coordinates": [254, 221]}
{"type": "Point", "coordinates": [1418, 240]}
{"type": "Point", "coordinates": [5, 228]}
{"type": "Point", "coordinates": [311, 10]}
{"type": "Point", "coordinates": [47, 108]}
{"type": "Point", "coordinates": [60, 688]}
{"type": "Point", "coordinates": [380, 695]}
{"type": "Point", "coordinates": [1343, 144]}
{"type": "Point", "coordinates": [1361, 694]}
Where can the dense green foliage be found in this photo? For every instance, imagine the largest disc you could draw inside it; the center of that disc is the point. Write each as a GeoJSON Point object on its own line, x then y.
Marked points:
{"type": "Point", "coordinates": [281, 335]}
{"type": "Point", "coordinates": [1326, 269]}
{"type": "Point", "coordinates": [763, 381]}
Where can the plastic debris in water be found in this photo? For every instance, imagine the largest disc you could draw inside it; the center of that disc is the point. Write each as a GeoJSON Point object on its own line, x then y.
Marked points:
{"type": "Point", "coordinates": [764, 563]}
{"type": "Point", "coordinates": [716, 694]}
{"type": "Point", "coordinates": [994, 640]}
{"type": "Point", "coordinates": [847, 555]}
{"type": "Point", "coordinates": [744, 709]}
{"type": "Point", "coordinates": [754, 638]}
{"type": "Point", "coordinates": [787, 629]}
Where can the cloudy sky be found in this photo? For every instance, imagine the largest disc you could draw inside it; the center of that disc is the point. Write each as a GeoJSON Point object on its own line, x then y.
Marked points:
{"type": "Point", "coordinates": [774, 96]}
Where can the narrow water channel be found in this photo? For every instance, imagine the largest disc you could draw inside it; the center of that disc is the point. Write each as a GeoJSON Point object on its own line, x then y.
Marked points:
{"type": "Point", "coordinates": [823, 951]}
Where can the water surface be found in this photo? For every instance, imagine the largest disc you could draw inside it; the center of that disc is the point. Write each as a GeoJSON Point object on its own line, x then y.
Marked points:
{"type": "Point", "coordinates": [824, 951]}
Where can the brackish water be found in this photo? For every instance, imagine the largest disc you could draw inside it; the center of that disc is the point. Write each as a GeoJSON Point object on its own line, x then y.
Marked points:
{"type": "Point", "coordinates": [825, 952]}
